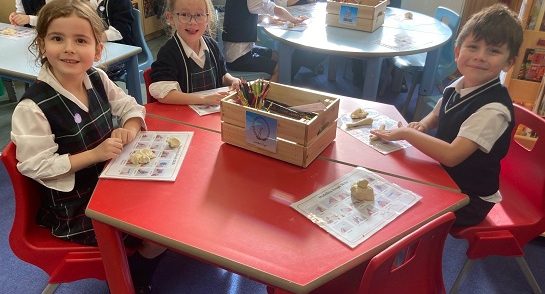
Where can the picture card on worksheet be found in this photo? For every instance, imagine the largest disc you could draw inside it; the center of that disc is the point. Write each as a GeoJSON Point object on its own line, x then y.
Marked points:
{"type": "Point", "coordinates": [353, 221]}
{"type": "Point", "coordinates": [151, 156]}
{"type": "Point", "coordinates": [363, 133]}
{"type": "Point", "coordinates": [204, 109]}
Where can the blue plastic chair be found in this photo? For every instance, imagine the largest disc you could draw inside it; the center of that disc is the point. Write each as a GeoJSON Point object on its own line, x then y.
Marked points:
{"type": "Point", "coordinates": [145, 57]}
{"type": "Point", "coordinates": [414, 64]}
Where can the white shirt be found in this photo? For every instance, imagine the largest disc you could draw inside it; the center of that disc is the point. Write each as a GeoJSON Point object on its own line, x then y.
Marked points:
{"type": "Point", "coordinates": [112, 34]}
{"type": "Point", "coordinates": [232, 51]}
{"type": "Point", "coordinates": [160, 89]}
{"type": "Point", "coordinates": [19, 8]}
{"type": "Point", "coordinates": [483, 127]}
{"type": "Point", "coordinates": [31, 132]}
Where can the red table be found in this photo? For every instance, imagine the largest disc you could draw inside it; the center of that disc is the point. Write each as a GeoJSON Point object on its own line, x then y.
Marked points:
{"type": "Point", "coordinates": [230, 207]}
{"type": "Point", "coordinates": [409, 163]}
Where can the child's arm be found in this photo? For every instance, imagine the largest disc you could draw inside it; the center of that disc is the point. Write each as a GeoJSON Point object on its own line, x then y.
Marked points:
{"type": "Point", "coordinates": [429, 122]}
{"type": "Point", "coordinates": [449, 154]}
{"type": "Point", "coordinates": [284, 14]}
{"type": "Point", "coordinates": [179, 97]}
{"type": "Point", "coordinates": [108, 149]}
{"type": "Point", "coordinates": [129, 130]}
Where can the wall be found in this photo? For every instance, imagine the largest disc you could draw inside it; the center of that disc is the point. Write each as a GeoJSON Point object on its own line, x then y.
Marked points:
{"type": "Point", "coordinates": [6, 7]}
{"type": "Point", "coordinates": [428, 6]}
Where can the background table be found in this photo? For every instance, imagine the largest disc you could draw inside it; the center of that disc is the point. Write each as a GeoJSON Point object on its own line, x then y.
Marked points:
{"type": "Point", "coordinates": [18, 63]}
{"type": "Point", "coordinates": [230, 207]}
{"type": "Point", "coordinates": [397, 36]}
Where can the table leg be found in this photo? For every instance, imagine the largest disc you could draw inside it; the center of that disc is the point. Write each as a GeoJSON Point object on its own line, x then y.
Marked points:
{"type": "Point", "coordinates": [372, 77]}
{"type": "Point", "coordinates": [428, 76]}
{"type": "Point", "coordinates": [114, 258]}
{"type": "Point", "coordinates": [133, 79]}
{"type": "Point", "coordinates": [284, 63]}
{"type": "Point", "coordinates": [332, 67]}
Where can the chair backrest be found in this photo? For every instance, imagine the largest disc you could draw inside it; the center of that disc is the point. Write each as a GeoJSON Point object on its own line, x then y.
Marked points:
{"type": "Point", "coordinates": [412, 264]}
{"type": "Point", "coordinates": [526, 167]}
{"type": "Point", "coordinates": [447, 65]}
{"type": "Point", "coordinates": [64, 261]}
{"type": "Point", "coordinates": [147, 82]}
{"type": "Point", "coordinates": [145, 58]}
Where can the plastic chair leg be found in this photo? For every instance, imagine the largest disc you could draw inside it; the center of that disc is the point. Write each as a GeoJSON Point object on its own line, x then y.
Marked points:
{"type": "Point", "coordinates": [414, 81]}
{"type": "Point", "coordinates": [461, 275]}
{"type": "Point", "coordinates": [50, 288]}
{"type": "Point", "coordinates": [528, 274]}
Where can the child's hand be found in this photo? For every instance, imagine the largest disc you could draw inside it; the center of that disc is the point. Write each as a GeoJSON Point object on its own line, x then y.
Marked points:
{"type": "Point", "coordinates": [299, 19]}
{"type": "Point", "coordinates": [235, 85]}
{"type": "Point", "coordinates": [125, 135]}
{"type": "Point", "coordinates": [19, 19]}
{"type": "Point", "coordinates": [214, 99]}
{"type": "Point", "coordinates": [391, 135]}
{"type": "Point", "coordinates": [417, 126]}
{"type": "Point", "coordinates": [108, 149]}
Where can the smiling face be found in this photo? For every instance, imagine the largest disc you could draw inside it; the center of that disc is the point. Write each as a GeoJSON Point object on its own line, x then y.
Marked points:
{"type": "Point", "coordinates": [480, 62]}
{"type": "Point", "coordinates": [70, 47]}
{"type": "Point", "coordinates": [190, 30]}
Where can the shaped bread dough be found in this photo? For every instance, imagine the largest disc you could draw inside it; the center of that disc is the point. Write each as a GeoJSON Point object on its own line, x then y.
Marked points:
{"type": "Point", "coordinates": [173, 142]}
{"type": "Point", "coordinates": [362, 191]}
{"type": "Point", "coordinates": [375, 137]}
{"type": "Point", "coordinates": [8, 32]}
{"type": "Point", "coordinates": [359, 114]}
{"type": "Point", "coordinates": [362, 122]}
{"type": "Point", "coordinates": [141, 156]}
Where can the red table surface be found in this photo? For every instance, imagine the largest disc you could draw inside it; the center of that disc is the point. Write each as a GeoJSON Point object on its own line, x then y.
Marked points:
{"type": "Point", "coordinates": [230, 207]}
{"type": "Point", "coordinates": [185, 115]}
{"type": "Point", "coordinates": [409, 162]}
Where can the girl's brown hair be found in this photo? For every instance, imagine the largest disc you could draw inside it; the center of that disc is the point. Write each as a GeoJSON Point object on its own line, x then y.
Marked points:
{"type": "Point", "coordinates": [64, 8]}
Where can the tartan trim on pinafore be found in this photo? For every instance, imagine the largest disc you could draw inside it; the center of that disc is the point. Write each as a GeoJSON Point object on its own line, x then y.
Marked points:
{"type": "Point", "coordinates": [203, 78]}
{"type": "Point", "coordinates": [75, 131]}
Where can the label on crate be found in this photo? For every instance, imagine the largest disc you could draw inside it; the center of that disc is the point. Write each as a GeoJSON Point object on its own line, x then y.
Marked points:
{"type": "Point", "coordinates": [261, 131]}
{"type": "Point", "coordinates": [348, 15]}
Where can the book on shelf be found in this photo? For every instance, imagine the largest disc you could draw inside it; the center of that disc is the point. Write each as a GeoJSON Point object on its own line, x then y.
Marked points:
{"type": "Point", "coordinates": [532, 67]}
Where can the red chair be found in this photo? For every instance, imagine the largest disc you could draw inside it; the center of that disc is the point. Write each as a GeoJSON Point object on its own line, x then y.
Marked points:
{"type": "Point", "coordinates": [412, 264]}
{"type": "Point", "coordinates": [520, 216]}
{"type": "Point", "coordinates": [147, 82]}
{"type": "Point", "coordinates": [63, 261]}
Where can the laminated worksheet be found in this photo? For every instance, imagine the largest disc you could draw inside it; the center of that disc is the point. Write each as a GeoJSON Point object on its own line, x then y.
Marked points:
{"type": "Point", "coordinates": [350, 220]}
{"type": "Point", "coordinates": [204, 109]}
{"type": "Point", "coordinates": [363, 133]}
{"type": "Point", "coordinates": [154, 156]}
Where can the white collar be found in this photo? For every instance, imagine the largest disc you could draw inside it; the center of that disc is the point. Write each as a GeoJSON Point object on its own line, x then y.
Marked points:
{"type": "Point", "coordinates": [458, 84]}
{"type": "Point", "coordinates": [45, 75]}
{"type": "Point", "coordinates": [189, 52]}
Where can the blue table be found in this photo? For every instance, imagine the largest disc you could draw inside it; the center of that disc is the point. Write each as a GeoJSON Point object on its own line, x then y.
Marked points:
{"type": "Point", "coordinates": [18, 63]}
{"type": "Point", "coordinates": [397, 36]}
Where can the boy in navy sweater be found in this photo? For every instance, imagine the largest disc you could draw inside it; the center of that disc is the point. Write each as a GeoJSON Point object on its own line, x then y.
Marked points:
{"type": "Point", "coordinates": [475, 117]}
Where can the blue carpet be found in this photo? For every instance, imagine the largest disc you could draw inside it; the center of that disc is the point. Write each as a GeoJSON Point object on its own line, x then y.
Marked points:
{"type": "Point", "coordinates": [181, 274]}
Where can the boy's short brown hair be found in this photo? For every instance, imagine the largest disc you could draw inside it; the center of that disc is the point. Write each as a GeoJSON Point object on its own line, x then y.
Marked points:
{"type": "Point", "coordinates": [496, 25]}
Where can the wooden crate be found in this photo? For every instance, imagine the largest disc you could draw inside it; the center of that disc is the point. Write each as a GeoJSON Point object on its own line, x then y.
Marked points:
{"type": "Point", "coordinates": [295, 141]}
{"type": "Point", "coordinates": [367, 16]}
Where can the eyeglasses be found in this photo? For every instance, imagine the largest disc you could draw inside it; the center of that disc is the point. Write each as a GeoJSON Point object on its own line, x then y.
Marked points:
{"type": "Point", "coordinates": [185, 17]}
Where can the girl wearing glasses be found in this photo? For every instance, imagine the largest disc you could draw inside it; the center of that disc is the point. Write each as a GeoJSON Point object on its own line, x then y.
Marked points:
{"type": "Point", "coordinates": [191, 60]}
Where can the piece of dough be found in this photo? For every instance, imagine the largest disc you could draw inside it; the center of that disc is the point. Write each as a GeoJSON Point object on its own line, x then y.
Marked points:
{"type": "Point", "coordinates": [361, 191]}
{"type": "Point", "coordinates": [8, 31]}
{"type": "Point", "coordinates": [362, 122]}
{"type": "Point", "coordinates": [141, 156]}
{"type": "Point", "coordinates": [173, 142]}
{"type": "Point", "coordinates": [359, 114]}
